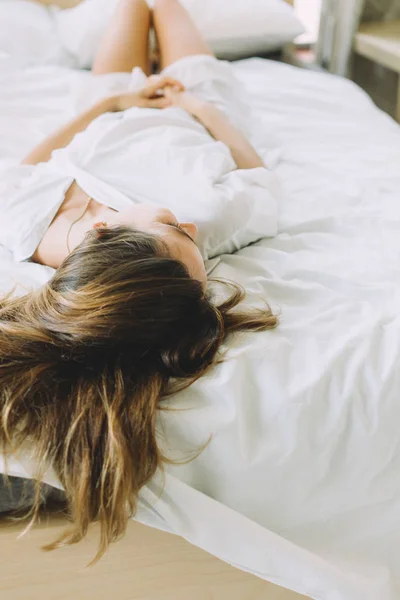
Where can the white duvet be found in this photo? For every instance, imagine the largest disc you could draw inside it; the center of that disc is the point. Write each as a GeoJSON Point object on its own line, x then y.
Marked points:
{"type": "Point", "coordinates": [300, 483]}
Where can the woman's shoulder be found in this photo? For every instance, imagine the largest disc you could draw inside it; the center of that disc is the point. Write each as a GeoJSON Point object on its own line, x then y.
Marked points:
{"type": "Point", "coordinates": [30, 195]}
{"type": "Point", "coordinates": [23, 175]}
{"type": "Point", "coordinates": [15, 175]}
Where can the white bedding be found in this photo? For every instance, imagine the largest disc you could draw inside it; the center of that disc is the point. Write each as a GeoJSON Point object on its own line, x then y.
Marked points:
{"type": "Point", "coordinates": [300, 483]}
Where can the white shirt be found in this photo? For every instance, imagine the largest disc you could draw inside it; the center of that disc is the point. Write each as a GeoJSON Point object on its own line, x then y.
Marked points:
{"type": "Point", "coordinates": [155, 156]}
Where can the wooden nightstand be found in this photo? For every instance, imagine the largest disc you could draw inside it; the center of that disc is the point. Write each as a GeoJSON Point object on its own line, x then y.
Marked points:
{"type": "Point", "coordinates": [380, 42]}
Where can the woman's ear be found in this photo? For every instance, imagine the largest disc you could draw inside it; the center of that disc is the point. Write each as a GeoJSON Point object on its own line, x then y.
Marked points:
{"type": "Point", "coordinates": [190, 229]}
{"type": "Point", "coordinates": [99, 224]}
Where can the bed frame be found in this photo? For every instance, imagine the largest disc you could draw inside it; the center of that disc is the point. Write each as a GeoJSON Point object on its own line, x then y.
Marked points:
{"type": "Point", "coordinates": [146, 564]}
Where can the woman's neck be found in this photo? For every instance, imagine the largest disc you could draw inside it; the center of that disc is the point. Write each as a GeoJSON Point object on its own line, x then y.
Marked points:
{"type": "Point", "coordinates": [95, 213]}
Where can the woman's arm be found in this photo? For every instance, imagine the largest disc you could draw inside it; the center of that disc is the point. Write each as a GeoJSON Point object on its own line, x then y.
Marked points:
{"type": "Point", "coordinates": [222, 129]}
{"type": "Point", "coordinates": [219, 127]}
{"type": "Point", "coordinates": [60, 139]}
{"type": "Point", "coordinates": [148, 97]}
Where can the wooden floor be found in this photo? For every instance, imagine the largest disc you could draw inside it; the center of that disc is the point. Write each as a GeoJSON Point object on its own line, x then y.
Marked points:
{"type": "Point", "coordinates": [146, 564]}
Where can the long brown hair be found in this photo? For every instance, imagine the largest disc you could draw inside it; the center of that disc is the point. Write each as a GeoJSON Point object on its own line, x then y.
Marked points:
{"type": "Point", "coordinates": [86, 360]}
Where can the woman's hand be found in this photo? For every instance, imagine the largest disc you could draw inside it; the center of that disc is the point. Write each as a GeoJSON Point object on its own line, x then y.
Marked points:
{"type": "Point", "coordinates": [218, 125]}
{"type": "Point", "coordinates": [152, 95]}
{"type": "Point", "coordinates": [185, 100]}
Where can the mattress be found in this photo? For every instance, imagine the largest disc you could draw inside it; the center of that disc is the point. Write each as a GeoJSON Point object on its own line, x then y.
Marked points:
{"type": "Point", "coordinates": [300, 481]}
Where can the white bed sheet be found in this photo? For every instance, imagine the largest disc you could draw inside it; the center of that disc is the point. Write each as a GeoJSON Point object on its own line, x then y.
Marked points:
{"type": "Point", "coordinates": [300, 483]}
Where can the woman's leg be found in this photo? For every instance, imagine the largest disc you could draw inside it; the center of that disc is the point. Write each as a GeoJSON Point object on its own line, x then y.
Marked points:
{"type": "Point", "coordinates": [126, 42]}
{"type": "Point", "coordinates": [177, 35]}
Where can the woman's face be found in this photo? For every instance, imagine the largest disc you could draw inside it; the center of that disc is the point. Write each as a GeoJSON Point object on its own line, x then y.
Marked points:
{"type": "Point", "coordinates": [179, 237]}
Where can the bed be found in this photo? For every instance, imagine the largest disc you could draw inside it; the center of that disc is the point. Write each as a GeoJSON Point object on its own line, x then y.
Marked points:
{"type": "Point", "coordinates": [300, 484]}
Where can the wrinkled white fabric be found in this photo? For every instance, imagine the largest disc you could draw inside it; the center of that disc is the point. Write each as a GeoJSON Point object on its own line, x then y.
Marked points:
{"type": "Point", "coordinates": [300, 483]}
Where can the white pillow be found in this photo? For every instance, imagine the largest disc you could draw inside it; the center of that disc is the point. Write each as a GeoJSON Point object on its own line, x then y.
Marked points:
{"type": "Point", "coordinates": [233, 28]}
{"type": "Point", "coordinates": [80, 29]}
{"type": "Point", "coordinates": [243, 27]}
{"type": "Point", "coordinates": [27, 33]}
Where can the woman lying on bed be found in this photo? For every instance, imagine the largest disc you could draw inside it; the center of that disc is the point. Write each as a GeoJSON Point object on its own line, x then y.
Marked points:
{"type": "Point", "coordinates": [126, 319]}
